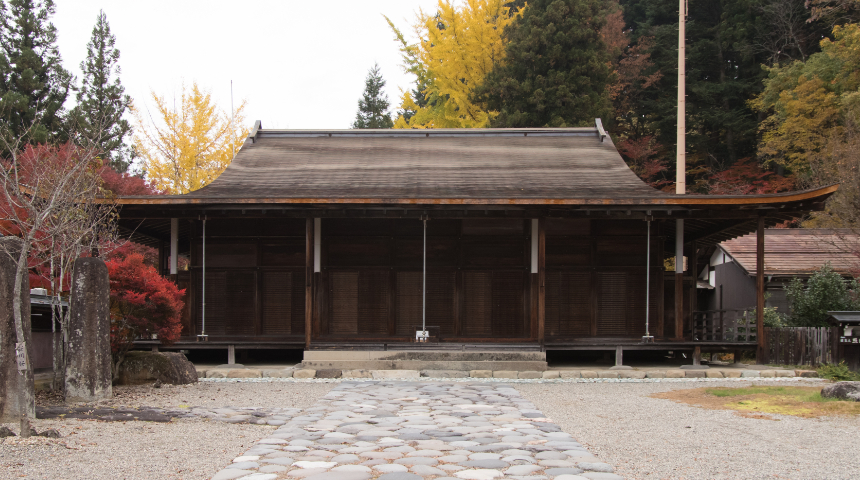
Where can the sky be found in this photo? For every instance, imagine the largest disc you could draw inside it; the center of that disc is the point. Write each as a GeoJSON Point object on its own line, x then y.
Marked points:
{"type": "Point", "coordinates": [297, 64]}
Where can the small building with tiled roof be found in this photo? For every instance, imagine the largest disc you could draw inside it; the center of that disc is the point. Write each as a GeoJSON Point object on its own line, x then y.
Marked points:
{"type": "Point", "coordinates": [788, 253]}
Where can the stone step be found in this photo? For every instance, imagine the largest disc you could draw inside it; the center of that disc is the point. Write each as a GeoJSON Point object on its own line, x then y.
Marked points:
{"type": "Point", "coordinates": [425, 355]}
{"type": "Point", "coordinates": [463, 365]}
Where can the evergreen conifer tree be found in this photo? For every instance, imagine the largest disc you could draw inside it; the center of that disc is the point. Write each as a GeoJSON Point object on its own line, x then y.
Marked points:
{"type": "Point", "coordinates": [556, 68]}
{"type": "Point", "coordinates": [373, 106]}
{"type": "Point", "coordinates": [33, 83]}
{"type": "Point", "coordinates": [101, 99]}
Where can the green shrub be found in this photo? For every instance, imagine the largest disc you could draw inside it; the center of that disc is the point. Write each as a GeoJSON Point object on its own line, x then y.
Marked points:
{"type": "Point", "coordinates": [825, 291]}
{"type": "Point", "coordinates": [838, 372]}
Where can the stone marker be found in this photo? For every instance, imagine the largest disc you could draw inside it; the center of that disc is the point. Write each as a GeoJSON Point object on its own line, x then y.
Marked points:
{"type": "Point", "coordinates": [88, 370]}
{"type": "Point", "coordinates": [304, 373]}
{"type": "Point", "coordinates": [11, 381]}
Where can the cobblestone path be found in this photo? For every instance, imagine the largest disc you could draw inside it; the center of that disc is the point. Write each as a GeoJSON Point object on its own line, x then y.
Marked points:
{"type": "Point", "coordinates": [390, 430]}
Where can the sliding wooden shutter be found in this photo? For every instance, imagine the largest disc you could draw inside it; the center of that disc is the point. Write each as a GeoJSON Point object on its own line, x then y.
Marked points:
{"type": "Point", "coordinates": [216, 303]}
{"type": "Point", "coordinates": [493, 303]}
{"type": "Point", "coordinates": [441, 294]}
{"type": "Point", "coordinates": [241, 302]}
{"type": "Point", "coordinates": [568, 303]}
{"type": "Point", "coordinates": [373, 308]}
{"type": "Point", "coordinates": [612, 303]}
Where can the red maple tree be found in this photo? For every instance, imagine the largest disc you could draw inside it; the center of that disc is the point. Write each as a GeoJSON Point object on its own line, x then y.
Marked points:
{"type": "Point", "coordinates": [143, 304]}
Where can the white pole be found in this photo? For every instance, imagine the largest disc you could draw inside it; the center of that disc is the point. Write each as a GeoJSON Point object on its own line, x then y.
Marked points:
{"type": "Point", "coordinates": [203, 293]}
{"type": "Point", "coordinates": [232, 120]}
{"type": "Point", "coordinates": [681, 158]}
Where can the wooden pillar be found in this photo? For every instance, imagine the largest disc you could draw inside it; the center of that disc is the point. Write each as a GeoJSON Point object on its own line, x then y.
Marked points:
{"type": "Point", "coordinates": [679, 280]}
{"type": "Point", "coordinates": [174, 249]}
{"type": "Point", "coordinates": [619, 356]}
{"type": "Point", "coordinates": [697, 355]}
{"type": "Point", "coordinates": [759, 290]}
{"type": "Point", "coordinates": [309, 280]}
{"type": "Point", "coordinates": [541, 279]}
{"type": "Point", "coordinates": [162, 258]}
{"type": "Point", "coordinates": [659, 278]}
{"type": "Point", "coordinates": [534, 281]}
{"type": "Point", "coordinates": [693, 267]}
{"type": "Point", "coordinates": [231, 354]}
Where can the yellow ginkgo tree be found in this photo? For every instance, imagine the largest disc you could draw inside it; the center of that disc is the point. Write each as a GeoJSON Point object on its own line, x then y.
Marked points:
{"type": "Point", "coordinates": [185, 146]}
{"type": "Point", "coordinates": [459, 44]}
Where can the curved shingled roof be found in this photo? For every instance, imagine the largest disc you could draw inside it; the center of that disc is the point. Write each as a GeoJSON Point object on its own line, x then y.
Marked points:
{"type": "Point", "coordinates": [516, 164]}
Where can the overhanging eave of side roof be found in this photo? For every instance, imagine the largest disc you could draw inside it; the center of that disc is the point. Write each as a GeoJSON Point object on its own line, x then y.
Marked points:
{"type": "Point", "coordinates": [769, 201]}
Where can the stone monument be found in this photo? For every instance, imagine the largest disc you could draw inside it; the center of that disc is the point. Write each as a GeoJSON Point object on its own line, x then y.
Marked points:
{"type": "Point", "coordinates": [88, 368]}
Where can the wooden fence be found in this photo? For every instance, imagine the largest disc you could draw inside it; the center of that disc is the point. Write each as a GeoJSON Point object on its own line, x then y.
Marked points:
{"type": "Point", "coordinates": [724, 326]}
{"type": "Point", "coordinates": [798, 345]}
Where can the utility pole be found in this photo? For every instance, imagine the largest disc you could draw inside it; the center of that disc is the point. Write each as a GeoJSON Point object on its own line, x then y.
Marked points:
{"type": "Point", "coordinates": [681, 169]}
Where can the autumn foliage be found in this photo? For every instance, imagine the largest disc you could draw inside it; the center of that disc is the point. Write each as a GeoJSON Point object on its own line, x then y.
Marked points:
{"type": "Point", "coordinates": [187, 146]}
{"type": "Point", "coordinates": [143, 303]}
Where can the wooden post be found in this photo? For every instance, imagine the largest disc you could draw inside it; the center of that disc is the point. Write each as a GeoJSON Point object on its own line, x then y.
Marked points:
{"type": "Point", "coordinates": [679, 280]}
{"type": "Point", "coordinates": [697, 355]}
{"type": "Point", "coordinates": [309, 280]}
{"type": "Point", "coordinates": [174, 248]}
{"type": "Point", "coordinates": [693, 267]}
{"type": "Point", "coordinates": [619, 356]}
{"type": "Point", "coordinates": [759, 290]}
{"type": "Point", "coordinates": [541, 279]}
{"type": "Point", "coordinates": [231, 354]}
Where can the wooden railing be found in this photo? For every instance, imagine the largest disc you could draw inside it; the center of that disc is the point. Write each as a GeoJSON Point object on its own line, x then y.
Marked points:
{"type": "Point", "coordinates": [724, 326]}
{"type": "Point", "coordinates": [799, 345]}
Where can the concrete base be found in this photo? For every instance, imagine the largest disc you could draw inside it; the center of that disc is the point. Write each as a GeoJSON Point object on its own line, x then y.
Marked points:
{"type": "Point", "coordinates": [230, 365]}
{"type": "Point", "coordinates": [621, 367]}
{"type": "Point", "coordinates": [424, 360]}
{"type": "Point", "coordinates": [694, 367]}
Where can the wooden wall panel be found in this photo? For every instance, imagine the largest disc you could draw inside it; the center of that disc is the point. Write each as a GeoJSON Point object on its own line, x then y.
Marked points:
{"type": "Point", "coordinates": [297, 314]}
{"type": "Point", "coordinates": [507, 298]}
{"type": "Point", "coordinates": [478, 304]}
{"type": "Point", "coordinates": [568, 303]}
{"type": "Point", "coordinates": [373, 302]}
{"type": "Point", "coordinates": [234, 254]}
{"type": "Point", "coordinates": [241, 302]}
{"type": "Point", "coordinates": [216, 303]}
{"type": "Point", "coordinates": [288, 253]}
{"type": "Point", "coordinates": [441, 298]}
{"type": "Point", "coordinates": [343, 312]}
{"type": "Point", "coordinates": [277, 300]}
{"type": "Point", "coordinates": [358, 251]}
{"type": "Point", "coordinates": [408, 302]}
{"type": "Point", "coordinates": [611, 303]}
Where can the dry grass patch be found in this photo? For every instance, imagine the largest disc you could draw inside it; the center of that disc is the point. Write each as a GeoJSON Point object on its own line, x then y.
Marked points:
{"type": "Point", "coordinates": [754, 402]}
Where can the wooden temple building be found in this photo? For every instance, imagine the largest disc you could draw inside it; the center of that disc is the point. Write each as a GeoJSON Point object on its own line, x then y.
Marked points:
{"type": "Point", "coordinates": [535, 239]}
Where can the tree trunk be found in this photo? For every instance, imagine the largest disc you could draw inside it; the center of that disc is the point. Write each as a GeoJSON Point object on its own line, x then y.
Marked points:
{"type": "Point", "coordinates": [18, 400]}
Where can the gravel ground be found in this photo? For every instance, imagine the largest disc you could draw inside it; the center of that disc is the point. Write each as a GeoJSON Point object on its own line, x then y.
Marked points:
{"type": "Point", "coordinates": [646, 437]}
{"type": "Point", "coordinates": [210, 394]}
{"type": "Point", "coordinates": [181, 449]}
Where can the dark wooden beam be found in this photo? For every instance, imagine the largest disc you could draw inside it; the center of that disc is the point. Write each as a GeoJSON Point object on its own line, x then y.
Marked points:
{"type": "Point", "coordinates": [541, 279]}
{"type": "Point", "coordinates": [759, 290]}
{"type": "Point", "coordinates": [309, 280]}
